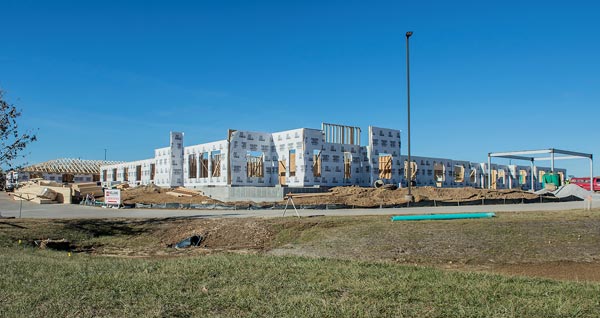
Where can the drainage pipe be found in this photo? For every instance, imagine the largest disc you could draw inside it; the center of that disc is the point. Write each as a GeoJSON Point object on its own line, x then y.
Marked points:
{"type": "Point", "coordinates": [448, 216]}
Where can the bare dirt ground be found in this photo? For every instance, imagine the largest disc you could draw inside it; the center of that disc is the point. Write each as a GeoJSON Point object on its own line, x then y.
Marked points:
{"type": "Point", "coordinates": [558, 245]}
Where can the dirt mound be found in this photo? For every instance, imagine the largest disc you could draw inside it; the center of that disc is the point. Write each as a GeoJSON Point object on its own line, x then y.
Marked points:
{"type": "Point", "coordinates": [157, 195]}
{"type": "Point", "coordinates": [230, 234]}
{"type": "Point", "coordinates": [369, 197]}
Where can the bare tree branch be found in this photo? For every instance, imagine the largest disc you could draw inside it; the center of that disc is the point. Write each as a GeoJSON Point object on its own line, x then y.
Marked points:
{"type": "Point", "coordinates": [12, 142]}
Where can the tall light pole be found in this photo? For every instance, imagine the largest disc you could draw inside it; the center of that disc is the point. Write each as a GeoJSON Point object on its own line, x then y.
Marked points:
{"type": "Point", "coordinates": [409, 196]}
{"type": "Point", "coordinates": [104, 154]}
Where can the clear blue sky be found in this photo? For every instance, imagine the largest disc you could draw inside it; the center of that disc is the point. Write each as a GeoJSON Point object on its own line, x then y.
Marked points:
{"type": "Point", "coordinates": [485, 75]}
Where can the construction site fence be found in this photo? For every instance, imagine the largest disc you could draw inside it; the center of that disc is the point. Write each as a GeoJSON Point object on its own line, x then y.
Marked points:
{"type": "Point", "coordinates": [280, 206]}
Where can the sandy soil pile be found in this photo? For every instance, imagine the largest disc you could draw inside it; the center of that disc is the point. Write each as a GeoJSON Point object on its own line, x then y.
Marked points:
{"type": "Point", "coordinates": [154, 194]}
{"type": "Point", "coordinates": [368, 197]}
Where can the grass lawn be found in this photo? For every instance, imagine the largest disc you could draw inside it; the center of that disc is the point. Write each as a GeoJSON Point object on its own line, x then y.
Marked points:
{"type": "Point", "coordinates": [358, 267]}
{"type": "Point", "coordinates": [51, 284]}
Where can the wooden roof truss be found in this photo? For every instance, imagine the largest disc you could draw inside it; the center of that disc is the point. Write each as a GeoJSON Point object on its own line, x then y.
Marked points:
{"type": "Point", "coordinates": [67, 165]}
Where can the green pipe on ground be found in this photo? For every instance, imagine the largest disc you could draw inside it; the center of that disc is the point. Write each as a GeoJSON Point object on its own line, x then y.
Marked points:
{"type": "Point", "coordinates": [445, 216]}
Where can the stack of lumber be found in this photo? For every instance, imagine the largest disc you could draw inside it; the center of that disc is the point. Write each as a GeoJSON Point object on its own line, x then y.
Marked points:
{"type": "Point", "coordinates": [34, 192]}
{"type": "Point", "coordinates": [183, 192]}
{"type": "Point", "coordinates": [122, 186]}
{"type": "Point", "coordinates": [83, 189]}
{"type": "Point", "coordinates": [49, 183]}
{"type": "Point", "coordinates": [187, 191]}
{"type": "Point", "coordinates": [177, 194]}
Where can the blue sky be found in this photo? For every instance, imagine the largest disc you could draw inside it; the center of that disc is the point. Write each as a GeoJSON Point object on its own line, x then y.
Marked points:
{"type": "Point", "coordinates": [485, 76]}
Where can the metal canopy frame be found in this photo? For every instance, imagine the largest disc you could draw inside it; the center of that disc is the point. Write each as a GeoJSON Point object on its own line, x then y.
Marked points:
{"type": "Point", "coordinates": [533, 156]}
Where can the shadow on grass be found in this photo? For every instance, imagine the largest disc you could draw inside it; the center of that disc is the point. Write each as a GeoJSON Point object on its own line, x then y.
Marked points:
{"type": "Point", "coordinates": [13, 225]}
{"type": "Point", "coordinates": [99, 227]}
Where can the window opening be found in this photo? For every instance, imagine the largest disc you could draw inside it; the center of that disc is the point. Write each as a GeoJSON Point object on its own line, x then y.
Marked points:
{"type": "Point", "coordinates": [68, 178]}
{"type": "Point", "coordinates": [317, 163]}
{"type": "Point", "coordinates": [413, 170]}
{"type": "Point", "coordinates": [204, 165]}
{"type": "Point", "coordinates": [385, 166]}
{"type": "Point", "coordinates": [459, 174]}
{"type": "Point", "coordinates": [439, 174]}
{"type": "Point", "coordinates": [501, 177]}
{"type": "Point", "coordinates": [348, 166]}
{"type": "Point", "coordinates": [216, 163]}
{"type": "Point", "coordinates": [522, 176]}
{"type": "Point", "coordinates": [282, 171]}
{"type": "Point", "coordinates": [494, 179]}
{"type": "Point", "coordinates": [192, 166]}
{"type": "Point", "coordinates": [255, 164]}
{"type": "Point", "coordinates": [541, 174]}
{"type": "Point", "coordinates": [292, 163]}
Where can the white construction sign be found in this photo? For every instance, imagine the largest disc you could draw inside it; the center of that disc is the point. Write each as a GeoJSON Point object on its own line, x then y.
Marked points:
{"type": "Point", "coordinates": [112, 197]}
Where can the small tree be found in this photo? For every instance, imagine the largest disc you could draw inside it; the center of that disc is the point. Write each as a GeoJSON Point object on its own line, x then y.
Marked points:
{"type": "Point", "coordinates": [12, 143]}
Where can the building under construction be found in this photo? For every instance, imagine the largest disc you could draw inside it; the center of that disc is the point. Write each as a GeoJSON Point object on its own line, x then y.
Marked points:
{"type": "Point", "coordinates": [310, 158]}
{"type": "Point", "coordinates": [61, 171]}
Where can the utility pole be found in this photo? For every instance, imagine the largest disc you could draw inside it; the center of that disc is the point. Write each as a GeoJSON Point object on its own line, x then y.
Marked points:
{"type": "Point", "coordinates": [409, 196]}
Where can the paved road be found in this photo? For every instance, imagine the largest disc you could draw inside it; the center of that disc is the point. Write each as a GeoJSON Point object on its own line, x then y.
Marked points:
{"type": "Point", "coordinates": [10, 208]}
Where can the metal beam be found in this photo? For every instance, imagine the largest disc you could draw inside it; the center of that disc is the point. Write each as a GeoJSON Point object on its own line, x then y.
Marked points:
{"type": "Point", "coordinates": [558, 158]}
{"type": "Point", "coordinates": [516, 153]}
{"type": "Point", "coordinates": [512, 157]}
{"type": "Point", "coordinates": [573, 153]}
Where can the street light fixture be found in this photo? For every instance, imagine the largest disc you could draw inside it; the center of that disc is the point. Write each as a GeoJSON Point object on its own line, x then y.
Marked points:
{"type": "Point", "coordinates": [409, 196]}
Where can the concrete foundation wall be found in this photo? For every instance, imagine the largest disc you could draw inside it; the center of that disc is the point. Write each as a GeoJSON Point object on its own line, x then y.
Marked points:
{"type": "Point", "coordinates": [255, 194]}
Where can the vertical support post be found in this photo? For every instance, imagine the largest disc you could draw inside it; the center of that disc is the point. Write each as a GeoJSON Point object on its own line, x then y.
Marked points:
{"type": "Point", "coordinates": [532, 175]}
{"type": "Point", "coordinates": [591, 174]}
{"type": "Point", "coordinates": [210, 162]}
{"type": "Point", "coordinates": [552, 160]}
{"type": "Point", "coordinates": [489, 172]}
